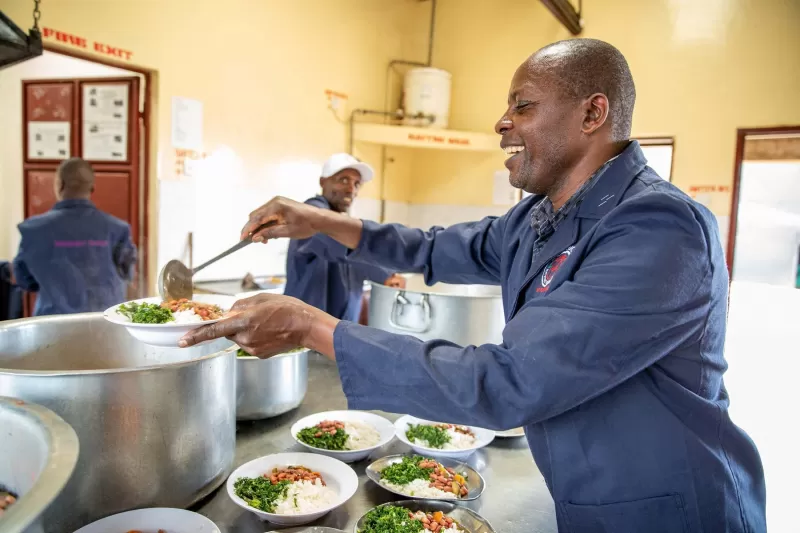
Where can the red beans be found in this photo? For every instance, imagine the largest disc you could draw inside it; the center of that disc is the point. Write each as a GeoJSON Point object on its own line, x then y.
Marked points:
{"type": "Point", "coordinates": [330, 425]}
{"type": "Point", "coordinates": [433, 521]}
{"type": "Point", "coordinates": [292, 474]}
{"type": "Point", "coordinates": [445, 479]}
{"type": "Point", "coordinates": [204, 311]}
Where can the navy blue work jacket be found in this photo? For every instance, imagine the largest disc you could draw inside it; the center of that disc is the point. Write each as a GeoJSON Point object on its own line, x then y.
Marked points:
{"type": "Point", "coordinates": [612, 355]}
{"type": "Point", "coordinates": [318, 273]}
{"type": "Point", "coordinates": [78, 258]}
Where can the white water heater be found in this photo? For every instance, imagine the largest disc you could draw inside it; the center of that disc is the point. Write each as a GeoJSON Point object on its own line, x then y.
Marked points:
{"type": "Point", "coordinates": [426, 91]}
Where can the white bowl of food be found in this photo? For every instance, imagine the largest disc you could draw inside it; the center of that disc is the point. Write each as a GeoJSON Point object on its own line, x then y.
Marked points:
{"type": "Point", "coordinates": [153, 521]}
{"type": "Point", "coordinates": [437, 439]}
{"type": "Point", "coordinates": [292, 489]}
{"type": "Point", "coordinates": [160, 323]}
{"type": "Point", "coordinates": [349, 436]}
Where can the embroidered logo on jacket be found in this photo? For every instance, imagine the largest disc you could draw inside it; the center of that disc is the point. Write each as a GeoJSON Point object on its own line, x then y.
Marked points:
{"type": "Point", "coordinates": [551, 269]}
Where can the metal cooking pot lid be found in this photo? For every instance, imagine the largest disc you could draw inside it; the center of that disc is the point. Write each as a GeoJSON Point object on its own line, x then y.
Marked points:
{"type": "Point", "coordinates": [175, 281]}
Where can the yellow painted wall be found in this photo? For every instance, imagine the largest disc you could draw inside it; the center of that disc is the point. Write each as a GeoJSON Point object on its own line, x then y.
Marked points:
{"type": "Point", "coordinates": [260, 67]}
{"type": "Point", "coordinates": [702, 69]}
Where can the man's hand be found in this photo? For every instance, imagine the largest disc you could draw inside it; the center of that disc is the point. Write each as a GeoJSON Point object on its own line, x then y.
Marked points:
{"type": "Point", "coordinates": [395, 281]}
{"type": "Point", "coordinates": [294, 220]}
{"type": "Point", "coordinates": [301, 221]}
{"type": "Point", "coordinates": [269, 324]}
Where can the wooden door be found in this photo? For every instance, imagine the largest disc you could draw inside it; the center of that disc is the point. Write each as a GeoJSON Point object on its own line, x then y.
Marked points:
{"type": "Point", "coordinates": [100, 121]}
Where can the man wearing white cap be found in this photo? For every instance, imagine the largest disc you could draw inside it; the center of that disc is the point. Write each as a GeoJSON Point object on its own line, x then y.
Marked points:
{"type": "Point", "coordinates": [317, 271]}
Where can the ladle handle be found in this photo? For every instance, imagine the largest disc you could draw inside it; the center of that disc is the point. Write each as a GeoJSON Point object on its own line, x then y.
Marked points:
{"type": "Point", "coordinates": [241, 244]}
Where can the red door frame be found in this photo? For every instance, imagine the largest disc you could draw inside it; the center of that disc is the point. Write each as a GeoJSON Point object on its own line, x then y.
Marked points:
{"type": "Point", "coordinates": [741, 137]}
{"type": "Point", "coordinates": [144, 116]}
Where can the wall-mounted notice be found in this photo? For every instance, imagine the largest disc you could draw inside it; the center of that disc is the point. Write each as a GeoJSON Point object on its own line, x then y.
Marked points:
{"type": "Point", "coordinates": [105, 122]}
{"type": "Point", "coordinates": [502, 191]}
{"type": "Point", "coordinates": [48, 140]}
{"type": "Point", "coordinates": [187, 123]}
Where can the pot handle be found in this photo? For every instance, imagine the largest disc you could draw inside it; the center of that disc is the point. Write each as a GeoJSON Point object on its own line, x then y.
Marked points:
{"type": "Point", "coordinates": [399, 301]}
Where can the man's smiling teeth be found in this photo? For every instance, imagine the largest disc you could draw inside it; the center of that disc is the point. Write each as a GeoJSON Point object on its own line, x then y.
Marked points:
{"type": "Point", "coordinates": [511, 150]}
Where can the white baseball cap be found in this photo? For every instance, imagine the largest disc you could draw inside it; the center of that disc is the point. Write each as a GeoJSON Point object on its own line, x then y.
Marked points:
{"type": "Point", "coordinates": [338, 162]}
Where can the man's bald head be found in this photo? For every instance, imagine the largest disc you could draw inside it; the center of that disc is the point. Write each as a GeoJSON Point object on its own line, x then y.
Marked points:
{"type": "Point", "coordinates": [583, 67]}
{"type": "Point", "coordinates": [569, 111]}
{"type": "Point", "coordinates": [74, 179]}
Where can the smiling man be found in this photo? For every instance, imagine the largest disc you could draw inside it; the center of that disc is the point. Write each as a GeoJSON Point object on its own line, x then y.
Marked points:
{"type": "Point", "coordinates": [615, 292]}
{"type": "Point", "coordinates": [317, 271]}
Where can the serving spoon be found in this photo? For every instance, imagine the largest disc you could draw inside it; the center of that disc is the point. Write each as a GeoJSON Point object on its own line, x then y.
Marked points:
{"type": "Point", "coordinates": [175, 279]}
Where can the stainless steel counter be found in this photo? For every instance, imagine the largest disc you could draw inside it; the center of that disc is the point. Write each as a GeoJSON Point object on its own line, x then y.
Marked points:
{"type": "Point", "coordinates": [232, 287]}
{"type": "Point", "coordinates": [516, 499]}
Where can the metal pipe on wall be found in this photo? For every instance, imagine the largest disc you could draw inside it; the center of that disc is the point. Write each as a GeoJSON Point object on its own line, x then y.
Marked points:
{"type": "Point", "coordinates": [387, 113]}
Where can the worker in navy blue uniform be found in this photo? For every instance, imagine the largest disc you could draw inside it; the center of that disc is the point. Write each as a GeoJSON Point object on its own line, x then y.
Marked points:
{"type": "Point", "coordinates": [615, 293]}
{"type": "Point", "coordinates": [317, 270]}
{"type": "Point", "coordinates": [77, 258]}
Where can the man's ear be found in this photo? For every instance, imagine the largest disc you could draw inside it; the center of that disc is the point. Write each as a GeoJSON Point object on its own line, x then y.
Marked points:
{"type": "Point", "coordinates": [595, 113]}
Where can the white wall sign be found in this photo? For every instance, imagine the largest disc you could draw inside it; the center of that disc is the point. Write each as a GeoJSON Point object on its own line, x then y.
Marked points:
{"type": "Point", "coordinates": [48, 140]}
{"type": "Point", "coordinates": [105, 122]}
{"type": "Point", "coordinates": [502, 191]}
{"type": "Point", "coordinates": [187, 123]}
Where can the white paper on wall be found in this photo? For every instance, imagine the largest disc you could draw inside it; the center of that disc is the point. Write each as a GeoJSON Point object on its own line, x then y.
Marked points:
{"type": "Point", "coordinates": [105, 122]}
{"type": "Point", "coordinates": [187, 123]}
{"type": "Point", "coordinates": [502, 191]}
{"type": "Point", "coordinates": [48, 140]}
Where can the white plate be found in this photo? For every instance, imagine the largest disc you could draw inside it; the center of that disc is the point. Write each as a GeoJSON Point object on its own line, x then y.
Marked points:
{"type": "Point", "coordinates": [482, 438]}
{"type": "Point", "coordinates": [383, 426]}
{"type": "Point", "coordinates": [336, 474]}
{"type": "Point", "coordinates": [151, 520]}
{"type": "Point", "coordinates": [170, 333]}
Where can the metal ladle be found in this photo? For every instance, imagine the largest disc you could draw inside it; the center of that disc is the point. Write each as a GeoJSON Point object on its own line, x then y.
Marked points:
{"type": "Point", "coordinates": [175, 279]}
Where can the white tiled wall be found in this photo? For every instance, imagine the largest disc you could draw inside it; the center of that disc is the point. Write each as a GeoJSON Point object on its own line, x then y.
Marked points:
{"type": "Point", "coordinates": [215, 211]}
{"type": "Point", "coordinates": [425, 216]}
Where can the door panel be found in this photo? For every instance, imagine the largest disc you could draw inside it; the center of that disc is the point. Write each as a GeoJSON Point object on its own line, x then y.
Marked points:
{"type": "Point", "coordinates": [40, 196]}
{"type": "Point", "coordinates": [117, 182]}
{"type": "Point", "coordinates": [111, 194]}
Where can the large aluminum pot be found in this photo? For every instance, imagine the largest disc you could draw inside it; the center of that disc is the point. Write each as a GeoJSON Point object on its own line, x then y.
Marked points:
{"type": "Point", "coordinates": [157, 426]}
{"type": "Point", "coordinates": [463, 314]}
{"type": "Point", "coordinates": [38, 453]}
{"type": "Point", "coordinates": [270, 387]}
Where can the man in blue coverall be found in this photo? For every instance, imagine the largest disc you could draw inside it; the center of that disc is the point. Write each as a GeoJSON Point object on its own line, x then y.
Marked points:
{"type": "Point", "coordinates": [615, 291]}
{"type": "Point", "coordinates": [317, 270]}
{"type": "Point", "coordinates": [77, 258]}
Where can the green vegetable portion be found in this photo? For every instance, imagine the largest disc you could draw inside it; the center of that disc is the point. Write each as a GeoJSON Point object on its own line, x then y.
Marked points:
{"type": "Point", "coordinates": [406, 471]}
{"type": "Point", "coordinates": [436, 436]}
{"type": "Point", "coordinates": [390, 519]}
{"type": "Point", "coordinates": [325, 440]}
{"type": "Point", "coordinates": [260, 493]}
{"type": "Point", "coordinates": [145, 313]}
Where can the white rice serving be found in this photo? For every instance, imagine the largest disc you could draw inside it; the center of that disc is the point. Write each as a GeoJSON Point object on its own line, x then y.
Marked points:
{"type": "Point", "coordinates": [305, 497]}
{"type": "Point", "coordinates": [360, 435]}
{"type": "Point", "coordinates": [420, 488]}
{"type": "Point", "coordinates": [458, 441]}
{"type": "Point", "coordinates": [187, 317]}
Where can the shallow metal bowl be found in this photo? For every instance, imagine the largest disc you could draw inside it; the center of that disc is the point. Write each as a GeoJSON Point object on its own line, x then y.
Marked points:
{"type": "Point", "coordinates": [466, 518]}
{"type": "Point", "coordinates": [312, 529]}
{"type": "Point", "coordinates": [475, 482]}
{"type": "Point", "coordinates": [38, 453]}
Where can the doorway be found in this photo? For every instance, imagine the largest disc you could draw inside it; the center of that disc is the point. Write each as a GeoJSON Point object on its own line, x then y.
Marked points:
{"type": "Point", "coordinates": [47, 106]}
{"type": "Point", "coordinates": [765, 209]}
